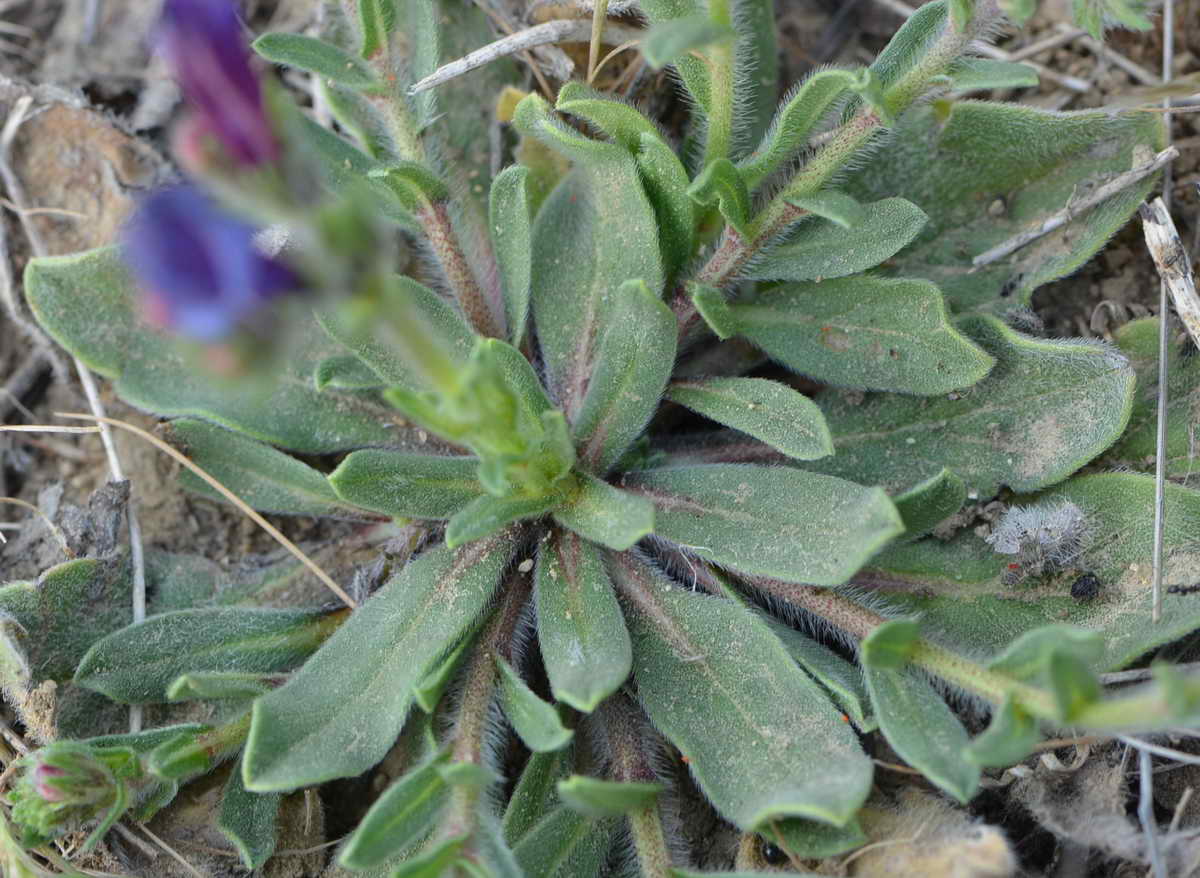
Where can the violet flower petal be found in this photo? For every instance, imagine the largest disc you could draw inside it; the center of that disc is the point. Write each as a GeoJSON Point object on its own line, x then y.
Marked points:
{"type": "Point", "coordinates": [202, 41]}
{"type": "Point", "coordinates": [197, 266]}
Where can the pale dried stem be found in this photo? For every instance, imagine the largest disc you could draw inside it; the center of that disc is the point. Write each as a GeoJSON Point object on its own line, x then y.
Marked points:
{"type": "Point", "coordinates": [1075, 208]}
{"type": "Point", "coordinates": [1164, 290]}
{"type": "Point", "coordinates": [561, 31]}
{"type": "Point", "coordinates": [599, 19]}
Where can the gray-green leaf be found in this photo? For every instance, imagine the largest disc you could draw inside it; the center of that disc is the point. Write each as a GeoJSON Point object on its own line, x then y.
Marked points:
{"type": "Point", "coordinates": [1045, 409]}
{"type": "Point", "coordinates": [407, 485]}
{"type": "Point", "coordinates": [343, 710]}
{"type": "Point", "coordinates": [398, 818]}
{"type": "Point", "coordinates": [263, 477]}
{"type": "Point", "coordinates": [248, 820]}
{"type": "Point", "coordinates": [315, 56]}
{"type": "Point", "coordinates": [584, 642]}
{"type": "Point", "coordinates": [606, 515]}
{"type": "Point", "coordinates": [595, 231]}
{"type": "Point", "coordinates": [536, 721]}
{"type": "Point", "coordinates": [819, 249]}
{"type": "Point", "coordinates": [774, 413]}
{"type": "Point", "coordinates": [631, 369]}
{"type": "Point", "coordinates": [922, 729]}
{"type": "Point", "coordinates": [86, 303]}
{"type": "Point", "coordinates": [512, 235]}
{"type": "Point", "coordinates": [776, 522]}
{"type": "Point", "coordinates": [864, 332]}
{"type": "Point", "coordinates": [990, 171]}
{"type": "Point", "coordinates": [761, 738]}
{"type": "Point", "coordinates": [137, 664]}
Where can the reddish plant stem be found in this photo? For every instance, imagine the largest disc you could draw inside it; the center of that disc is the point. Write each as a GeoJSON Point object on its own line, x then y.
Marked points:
{"type": "Point", "coordinates": [479, 687]}
{"type": "Point", "coordinates": [440, 232]}
{"type": "Point", "coordinates": [623, 726]}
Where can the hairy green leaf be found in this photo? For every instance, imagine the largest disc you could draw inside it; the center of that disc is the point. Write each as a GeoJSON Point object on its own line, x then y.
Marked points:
{"type": "Point", "coordinates": [1045, 409]}
{"type": "Point", "coordinates": [798, 114]}
{"type": "Point", "coordinates": [927, 504]}
{"type": "Point", "coordinates": [565, 844]}
{"type": "Point", "coordinates": [402, 299]}
{"type": "Point", "coordinates": [429, 690]}
{"type": "Point", "coordinates": [599, 512]}
{"type": "Point", "coordinates": [979, 74]}
{"type": "Point", "coordinates": [666, 41]}
{"type": "Point", "coordinates": [1010, 737]}
{"type": "Point", "coordinates": [783, 418]}
{"type": "Point", "coordinates": [631, 369]}
{"type": "Point", "coordinates": [535, 796]}
{"type": "Point", "coordinates": [485, 515]}
{"type": "Point", "coordinates": [341, 712]}
{"type": "Point", "coordinates": [812, 840]}
{"type": "Point", "coordinates": [138, 663]}
{"type": "Point", "coordinates": [864, 332]}
{"type": "Point", "coordinates": [922, 729]}
{"type": "Point", "coordinates": [407, 485]}
{"type": "Point", "coordinates": [415, 186]}
{"type": "Point", "coordinates": [264, 478]}
{"type": "Point", "coordinates": [342, 165]}
{"type": "Point", "coordinates": [1095, 15]}
{"type": "Point", "coordinates": [86, 302]}
{"type": "Point", "coordinates": [581, 632]}
{"type": "Point", "coordinates": [666, 184]}
{"type": "Point", "coordinates": [248, 820]}
{"type": "Point", "coordinates": [509, 215]}
{"type": "Point", "coordinates": [315, 56]}
{"type": "Point", "coordinates": [890, 645]}
{"type": "Point", "coordinates": [202, 685]}
{"type": "Point", "coordinates": [842, 679]}
{"type": "Point", "coordinates": [535, 721]}
{"type": "Point", "coordinates": [1074, 685]}
{"type": "Point", "coordinates": [345, 372]}
{"type": "Point", "coordinates": [398, 819]}
{"type": "Point", "coordinates": [1028, 657]}
{"type": "Point", "coordinates": [594, 232]}
{"type": "Point", "coordinates": [761, 738]}
{"type": "Point", "coordinates": [662, 173]}
{"type": "Point", "coordinates": [785, 523]}
{"type": "Point", "coordinates": [833, 205]}
{"type": "Point", "coordinates": [968, 605]}
{"type": "Point", "coordinates": [606, 798]}
{"type": "Point", "coordinates": [1138, 340]}
{"type": "Point", "coordinates": [987, 172]}
{"type": "Point", "coordinates": [819, 249]}
{"type": "Point", "coordinates": [721, 183]}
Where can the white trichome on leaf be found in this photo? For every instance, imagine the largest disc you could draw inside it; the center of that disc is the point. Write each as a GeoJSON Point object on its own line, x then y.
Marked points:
{"type": "Point", "coordinates": [1044, 538]}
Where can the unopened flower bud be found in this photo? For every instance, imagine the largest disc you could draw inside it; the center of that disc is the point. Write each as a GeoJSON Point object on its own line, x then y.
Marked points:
{"type": "Point", "coordinates": [63, 787]}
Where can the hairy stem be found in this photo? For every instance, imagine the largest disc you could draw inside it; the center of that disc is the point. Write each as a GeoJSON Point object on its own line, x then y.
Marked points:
{"type": "Point", "coordinates": [859, 622]}
{"type": "Point", "coordinates": [444, 242]}
{"type": "Point", "coordinates": [719, 139]}
{"type": "Point", "coordinates": [735, 251]}
{"type": "Point", "coordinates": [623, 727]}
{"type": "Point", "coordinates": [479, 688]}
{"type": "Point", "coordinates": [486, 319]}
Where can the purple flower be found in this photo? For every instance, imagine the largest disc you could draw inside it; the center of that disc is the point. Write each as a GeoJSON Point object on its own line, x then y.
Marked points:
{"type": "Point", "coordinates": [197, 266]}
{"type": "Point", "coordinates": [202, 41]}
